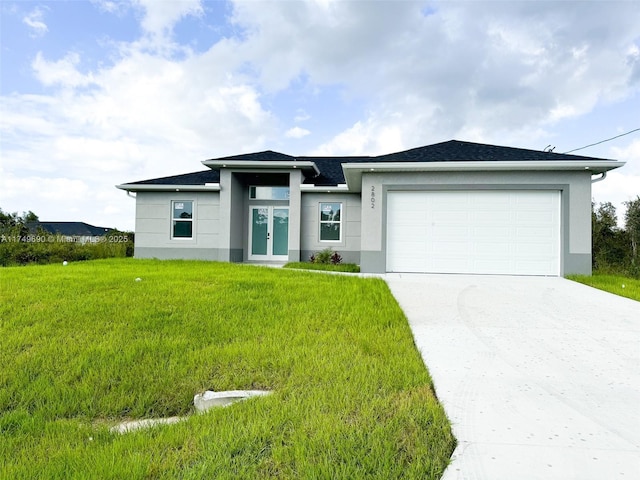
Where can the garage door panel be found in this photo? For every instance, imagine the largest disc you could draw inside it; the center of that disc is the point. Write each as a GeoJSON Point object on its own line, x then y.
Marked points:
{"type": "Point", "coordinates": [449, 216]}
{"type": "Point", "coordinates": [454, 263]}
{"type": "Point", "coordinates": [534, 234]}
{"type": "Point", "coordinates": [489, 200]}
{"type": "Point", "coordinates": [446, 249]}
{"type": "Point", "coordinates": [493, 250]}
{"type": "Point", "coordinates": [493, 217]}
{"type": "Point", "coordinates": [449, 232]}
{"type": "Point", "coordinates": [535, 267]}
{"type": "Point", "coordinates": [535, 248]}
{"type": "Point", "coordinates": [495, 232]}
{"type": "Point", "coordinates": [490, 267]}
{"type": "Point", "coordinates": [535, 217]}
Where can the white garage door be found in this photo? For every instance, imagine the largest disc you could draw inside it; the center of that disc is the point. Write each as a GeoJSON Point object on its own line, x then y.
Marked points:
{"type": "Point", "coordinates": [490, 232]}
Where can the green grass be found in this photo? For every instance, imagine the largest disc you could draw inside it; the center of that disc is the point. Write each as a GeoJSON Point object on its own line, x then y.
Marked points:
{"type": "Point", "coordinates": [623, 286]}
{"type": "Point", "coordinates": [85, 347]}
{"type": "Point", "coordinates": [340, 267]}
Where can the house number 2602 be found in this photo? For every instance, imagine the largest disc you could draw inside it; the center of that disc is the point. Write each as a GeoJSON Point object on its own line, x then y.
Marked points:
{"type": "Point", "coordinates": [373, 197]}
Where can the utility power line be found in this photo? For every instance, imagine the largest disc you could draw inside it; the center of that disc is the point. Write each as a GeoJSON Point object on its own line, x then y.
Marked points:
{"type": "Point", "coordinates": [602, 141]}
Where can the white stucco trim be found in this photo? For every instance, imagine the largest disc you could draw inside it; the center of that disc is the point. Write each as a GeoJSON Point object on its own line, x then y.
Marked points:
{"type": "Point", "coordinates": [353, 171]}
{"type": "Point", "coordinates": [260, 165]}
{"type": "Point", "coordinates": [132, 187]}
{"type": "Point", "coordinates": [309, 188]}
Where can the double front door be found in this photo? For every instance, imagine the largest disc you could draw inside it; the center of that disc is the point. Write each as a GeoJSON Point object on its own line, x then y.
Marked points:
{"type": "Point", "coordinates": [269, 233]}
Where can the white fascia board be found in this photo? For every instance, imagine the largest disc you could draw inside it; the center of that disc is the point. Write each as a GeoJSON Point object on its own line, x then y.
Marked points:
{"type": "Point", "coordinates": [257, 165]}
{"type": "Point", "coordinates": [132, 187]}
{"type": "Point", "coordinates": [310, 188]}
{"type": "Point", "coordinates": [353, 171]}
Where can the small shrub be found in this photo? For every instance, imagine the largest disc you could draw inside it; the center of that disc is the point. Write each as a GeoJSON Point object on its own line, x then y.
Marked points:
{"type": "Point", "coordinates": [336, 258]}
{"type": "Point", "coordinates": [323, 257]}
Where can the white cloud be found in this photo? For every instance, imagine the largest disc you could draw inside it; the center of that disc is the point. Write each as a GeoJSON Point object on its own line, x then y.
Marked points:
{"type": "Point", "coordinates": [35, 21]}
{"type": "Point", "coordinates": [364, 138]}
{"type": "Point", "coordinates": [62, 72]}
{"type": "Point", "coordinates": [161, 16]}
{"type": "Point", "coordinates": [631, 155]}
{"type": "Point", "coordinates": [623, 184]}
{"type": "Point", "coordinates": [296, 132]}
{"type": "Point", "coordinates": [112, 6]}
{"type": "Point", "coordinates": [62, 192]}
{"type": "Point", "coordinates": [301, 116]}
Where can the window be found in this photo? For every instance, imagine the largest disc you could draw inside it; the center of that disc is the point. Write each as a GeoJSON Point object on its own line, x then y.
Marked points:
{"type": "Point", "coordinates": [269, 193]}
{"type": "Point", "coordinates": [330, 222]}
{"type": "Point", "coordinates": [182, 219]}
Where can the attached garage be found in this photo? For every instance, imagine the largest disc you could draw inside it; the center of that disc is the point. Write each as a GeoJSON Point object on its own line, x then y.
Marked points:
{"type": "Point", "coordinates": [511, 232]}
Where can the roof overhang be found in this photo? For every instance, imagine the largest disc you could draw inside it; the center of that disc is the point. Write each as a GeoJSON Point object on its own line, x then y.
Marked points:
{"type": "Point", "coordinates": [353, 171]}
{"type": "Point", "coordinates": [146, 187]}
{"type": "Point", "coordinates": [305, 166]}
{"type": "Point", "coordinates": [311, 188]}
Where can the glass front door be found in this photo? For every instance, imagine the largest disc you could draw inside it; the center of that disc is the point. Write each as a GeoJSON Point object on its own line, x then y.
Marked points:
{"type": "Point", "coordinates": [269, 233]}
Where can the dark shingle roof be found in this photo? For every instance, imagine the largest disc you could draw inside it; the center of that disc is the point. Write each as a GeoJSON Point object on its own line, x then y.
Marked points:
{"type": "Point", "coordinates": [76, 229]}
{"type": "Point", "coordinates": [331, 172]}
{"type": "Point", "coordinates": [331, 168]}
{"type": "Point", "coordinates": [267, 155]}
{"type": "Point", "coordinates": [457, 151]}
{"type": "Point", "coordinates": [195, 178]}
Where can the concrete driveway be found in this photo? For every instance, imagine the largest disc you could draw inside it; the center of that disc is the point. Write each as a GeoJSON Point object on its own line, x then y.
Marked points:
{"type": "Point", "coordinates": [540, 377]}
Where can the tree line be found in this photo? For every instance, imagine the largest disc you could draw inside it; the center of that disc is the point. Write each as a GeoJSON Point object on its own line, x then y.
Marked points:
{"type": "Point", "coordinates": [615, 249]}
{"type": "Point", "coordinates": [22, 242]}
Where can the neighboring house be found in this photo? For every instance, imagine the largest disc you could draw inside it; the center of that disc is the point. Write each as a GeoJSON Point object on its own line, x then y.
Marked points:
{"type": "Point", "coordinates": [71, 231]}
{"type": "Point", "coordinates": [452, 207]}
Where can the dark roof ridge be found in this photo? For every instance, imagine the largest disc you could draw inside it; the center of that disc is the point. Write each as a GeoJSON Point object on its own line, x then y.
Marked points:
{"type": "Point", "coordinates": [458, 150]}
{"type": "Point", "coordinates": [264, 155]}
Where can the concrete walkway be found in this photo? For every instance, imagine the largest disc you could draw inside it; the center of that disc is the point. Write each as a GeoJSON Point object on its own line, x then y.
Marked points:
{"type": "Point", "coordinates": [540, 377]}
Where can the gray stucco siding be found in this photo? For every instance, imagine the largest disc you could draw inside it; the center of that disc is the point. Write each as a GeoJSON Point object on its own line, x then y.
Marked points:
{"type": "Point", "coordinates": [349, 244]}
{"type": "Point", "coordinates": [154, 226]}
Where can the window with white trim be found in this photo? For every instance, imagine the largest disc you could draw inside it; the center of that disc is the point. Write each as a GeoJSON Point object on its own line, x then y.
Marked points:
{"type": "Point", "coordinates": [182, 219]}
{"type": "Point", "coordinates": [330, 222]}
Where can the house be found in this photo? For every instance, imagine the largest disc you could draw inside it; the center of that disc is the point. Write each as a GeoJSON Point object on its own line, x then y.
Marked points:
{"type": "Point", "coordinates": [71, 231]}
{"type": "Point", "coordinates": [451, 207]}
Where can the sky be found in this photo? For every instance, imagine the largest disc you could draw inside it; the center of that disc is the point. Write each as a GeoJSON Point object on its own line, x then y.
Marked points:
{"type": "Point", "coordinates": [104, 92]}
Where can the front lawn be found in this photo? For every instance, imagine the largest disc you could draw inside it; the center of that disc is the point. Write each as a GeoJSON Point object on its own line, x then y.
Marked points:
{"type": "Point", "coordinates": [623, 286]}
{"type": "Point", "coordinates": [86, 346]}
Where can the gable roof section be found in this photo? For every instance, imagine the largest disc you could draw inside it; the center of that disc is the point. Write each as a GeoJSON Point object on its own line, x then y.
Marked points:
{"type": "Point", "coordinates": [457, 151]}
{"type": "Point", "coordinates": [266, 156]}
{"type": "Point", "coordinates": [331, 171]}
